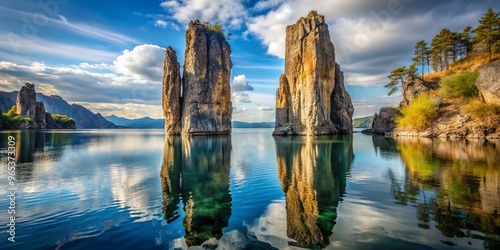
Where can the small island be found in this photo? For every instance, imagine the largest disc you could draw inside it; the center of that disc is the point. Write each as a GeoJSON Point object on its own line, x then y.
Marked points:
{"type": "Point", "coordinates": [30, 114]}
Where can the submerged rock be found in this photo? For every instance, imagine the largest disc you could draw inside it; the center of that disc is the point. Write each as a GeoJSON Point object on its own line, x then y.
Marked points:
{"type": "Point", "coordinates": [488, 82]}
{"type": "Point", "coordinates": [205, 105]}
{"type": "Point", "coordinates": [311, 98]}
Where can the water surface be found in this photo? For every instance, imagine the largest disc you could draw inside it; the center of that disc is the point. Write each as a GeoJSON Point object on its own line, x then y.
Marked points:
{"type": "Point", "coordinates": [136, 189]}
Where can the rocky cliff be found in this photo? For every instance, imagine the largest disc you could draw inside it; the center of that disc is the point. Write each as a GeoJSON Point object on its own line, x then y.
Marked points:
{"type": "Point", "coordinates": [26, 101]}
{"type": "Point", "coordinates": [205, 104]}
{"type": "Point", "coordinates": [414, 86]}
{"type": "Point", "coordinates": [488, 82]}
{"type": "Point", "coordinates": [311, 98]}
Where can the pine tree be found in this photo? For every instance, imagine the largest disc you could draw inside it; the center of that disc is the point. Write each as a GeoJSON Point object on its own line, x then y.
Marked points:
{"type": "Point", "coordinates": [421, 53]}
{"type": "Point", "coordinates": [466, 39]}
{"type": "Point", "coordinates": [488, 31]}
{"type": "Point", "coordinates": [399, 76]}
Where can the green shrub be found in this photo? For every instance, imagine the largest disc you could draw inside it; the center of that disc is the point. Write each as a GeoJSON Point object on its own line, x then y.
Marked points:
{"type": "Point", "coordinates": [12, 112]}
{"type": "Point", "coordinates": [487, 113]}
{"type": "Point", "coordinates": [459, 86]}
{"type": "Point", "coordinates": [62, 119]}
{"type": "Point", "coordinates": [419, 114]}
{"type": "Point", "coordinates": [218, 29]}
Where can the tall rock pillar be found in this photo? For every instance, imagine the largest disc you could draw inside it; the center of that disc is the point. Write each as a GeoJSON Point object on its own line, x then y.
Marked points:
{"type": "Point", "coordinates": [205, 105]}
{"type": "Point", "coordinates": [311, 98]}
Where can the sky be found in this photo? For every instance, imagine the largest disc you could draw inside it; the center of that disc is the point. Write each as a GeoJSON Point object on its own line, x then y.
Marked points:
{"type": "Point", "coordinates": [108, 55]}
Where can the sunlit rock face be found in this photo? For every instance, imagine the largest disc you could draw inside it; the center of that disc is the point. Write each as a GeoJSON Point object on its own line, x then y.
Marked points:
{"type": "Point", "coordinates": [26, 101]}
{"type": "Point", "coordinates": [311, 98]}
{"type": "Point", "coordinates": [196, 169]}
{"type": "Point", "coordinates": [313, 177]}
{"type": "Point", "coordinates": [488, 82]}
{"type": "Point", "coordinates": [204, 107]}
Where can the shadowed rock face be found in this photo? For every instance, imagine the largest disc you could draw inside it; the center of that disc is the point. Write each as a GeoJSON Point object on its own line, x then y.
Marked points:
{"type": "Point", "coordinates": [311, 98]}
{"type": "Point", "coordinates": [205, 105]}
{"type": "Point", "coordinates": [26, 101]}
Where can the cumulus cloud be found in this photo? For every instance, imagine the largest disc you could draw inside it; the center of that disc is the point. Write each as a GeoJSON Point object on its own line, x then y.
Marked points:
{"type": "Point", "coordinates": [371, 37]}
{"type": "Point", "coordinates": [231, 13]}
{"type": "Point", "coordinates": [240, 84]}
{"type": "Point", "coordinates": [143, 62]}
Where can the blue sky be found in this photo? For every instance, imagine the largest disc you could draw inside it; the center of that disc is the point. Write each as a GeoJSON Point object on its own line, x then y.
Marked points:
{"type": "Point", "coordinates": [108, 56]}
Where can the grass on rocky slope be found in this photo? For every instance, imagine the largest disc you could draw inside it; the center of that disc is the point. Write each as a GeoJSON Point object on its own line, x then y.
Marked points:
{"type": "Point", "coordinates": [419, 114]}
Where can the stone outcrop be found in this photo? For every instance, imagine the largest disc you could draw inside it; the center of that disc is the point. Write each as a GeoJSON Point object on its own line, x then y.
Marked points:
{"type": "Point", "coordinates": [26, 101]}
{"type": "Point", "coordinates": [205, 103]}
{"type": "Point", "coordinates": [384, 122]}
{"type": "Point", "coordinates": [488, 82]}
{"type": "Point", "coordinates": [311, 98]}
{"type": "Point", "coordinates": [28, 107]}
{"type": "Point", "coordinates": [171, 98]}
{"type": "Point", "coordinates": [40, 115]}
{"type": "Point", "coordinates": [413, 87]}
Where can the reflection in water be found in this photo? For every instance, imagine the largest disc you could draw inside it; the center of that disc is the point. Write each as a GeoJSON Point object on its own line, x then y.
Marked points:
{"type": "Point", "coordinates": [313, 176]}
{"type": "Point", "coordinates": [454, 183]}
{"type": "Point", "coordinates": [196, 170]}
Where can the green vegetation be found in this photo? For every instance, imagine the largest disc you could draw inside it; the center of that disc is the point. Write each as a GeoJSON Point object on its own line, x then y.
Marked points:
{"type": "Point", "coordinates": [487, 113]}
{"type": "Point", "coordinates": [461, 86]}
{"type": "Point", "coordinates": [422, 55]}
{"type": "Point", "coordinates": [218, 29]}
{"type": "Point", "coordinates": [419, 114]}
{"type": "Point", "coordinates": [10, 119]}
{"type": "Point", "coordinates": [63, 120]}
{"type": "Point", "coordinates": [363, 122]}
{"type": "Point", "coordinates": [488, 31]}
{"type": "Point", "coordinates": [399, 76]}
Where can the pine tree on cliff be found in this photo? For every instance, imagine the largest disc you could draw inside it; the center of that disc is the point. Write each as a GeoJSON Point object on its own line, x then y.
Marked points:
{"type": "Point", "coordinates": [488, 31]}
{"type": "Point", "coordinates": [399, 76]}
{"type": "Point", "coordinates": [421, 54]}
{"type": "Point", "coordinates": [466, 38]}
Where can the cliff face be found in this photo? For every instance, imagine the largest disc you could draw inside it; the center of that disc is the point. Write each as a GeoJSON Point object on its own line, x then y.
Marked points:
{"type": "Point", "coordinates": [488, 82]}
{"type": "Point", "coordinates": [205, 105]}
{"type": "Point", "coordinates": [311, 98]}
{"type": "Point", "coordinates": [413, 87]}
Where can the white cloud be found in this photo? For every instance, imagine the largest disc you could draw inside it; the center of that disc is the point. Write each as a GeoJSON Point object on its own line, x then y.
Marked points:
{"type": "Point", "coordinates": [129, 110]}
{"type": "Point", "coordinates": [267, 4]}
{"type": "Point", "coordinates": [265, 108]}
{"type": "Point", "coordinates": [240, 84]}
{"type": "Point", "coordinates": [230, 12]}
{"type": "Point", "coordinates": [144, 62]}
{"type": "Point", "coordinates": [164, 24]}
{"type": "Point", "coordinates": [240, 97]}
{"type": "Point", "coordinates": [16, 44]}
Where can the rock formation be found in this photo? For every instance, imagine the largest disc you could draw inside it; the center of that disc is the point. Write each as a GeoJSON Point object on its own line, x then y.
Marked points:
{"type": "Point", "coordinates": [488, 82]}
{"type": "Point", "coordinates": [414, 86]}
{"type": "Point", "coordinates": [204, 105]}
{"type": "Point", "coordinates": [384, 122]}
{"type": "Point", "coordinates": [28, 107]}
{"type": "Point", "coordinates": [26, 101]}
{"type": "Point", "coordinates": [311, 98]}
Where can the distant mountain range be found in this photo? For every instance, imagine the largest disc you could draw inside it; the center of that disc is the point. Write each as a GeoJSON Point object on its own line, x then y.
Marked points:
{"type": "Point", "coordinates": [84, 118]}
{"type": "Point", "coordinates": [148, 122]}
{"type": "Point", "coordinates": [363, 122]}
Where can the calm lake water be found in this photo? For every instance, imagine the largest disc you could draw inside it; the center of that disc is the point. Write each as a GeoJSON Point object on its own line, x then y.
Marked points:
{"type": "Point", "coordinates": [134, 189]}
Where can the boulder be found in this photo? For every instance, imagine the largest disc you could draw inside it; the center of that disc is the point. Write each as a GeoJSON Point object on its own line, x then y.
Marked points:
{"type": "Point", "coordinates": [488, 82]}
{"type": "Point", "coordinates": [205, 103]}
{"type": "Point", "coordinates": [26, 101]}
{"type": "Point", "coordinates": [384, 122]}
{"type": "Point", "coordinates": [311, 98]}
{"type": "Point", "coordinates": [414, 86]}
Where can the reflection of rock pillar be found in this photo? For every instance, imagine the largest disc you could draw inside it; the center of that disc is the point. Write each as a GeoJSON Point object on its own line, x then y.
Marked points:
{"type": "Point", "coordinates": [205, 187]}
{"type": "Point", "coordinates": [171, 177]}
{"type": "Point", "coordinates": [312, 175]}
